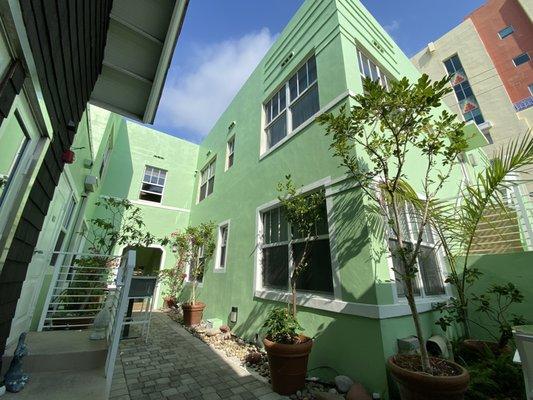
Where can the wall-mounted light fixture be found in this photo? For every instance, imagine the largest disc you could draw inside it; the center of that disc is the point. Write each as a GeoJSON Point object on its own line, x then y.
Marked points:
{"type": "Point", "coordinates": [175, 248]}
{"type": "Point", "coordinates": [233, 315]}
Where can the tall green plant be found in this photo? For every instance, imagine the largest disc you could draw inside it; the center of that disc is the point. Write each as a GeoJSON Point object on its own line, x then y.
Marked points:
{"type": "Point", "coordinates": [457, 224]}
{"type": "Point", "coordinates": [304, 212]}
{"type": "Point", "coordinates": [194, 247]}
{"type": "Point", "coordinates": [388, 126]}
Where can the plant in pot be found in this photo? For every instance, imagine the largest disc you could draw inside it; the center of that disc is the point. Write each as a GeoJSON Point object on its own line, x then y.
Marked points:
{"type": "Point", "coordinates": [394, 128]}
{"type": "Point", "coordinates": [288, 351]}
{"type": "Point", "coordinates": [458, 225]}
{"type": "Point", "coordinates": [120, 224]}
{"type": "Point", "coordinates": [194, 247]}
{"type": "Point", "coordinates": [172, 279]}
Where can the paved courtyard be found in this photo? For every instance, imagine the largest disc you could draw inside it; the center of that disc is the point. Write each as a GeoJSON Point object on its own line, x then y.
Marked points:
{"type": "Point", "coordinates": [175, 365]}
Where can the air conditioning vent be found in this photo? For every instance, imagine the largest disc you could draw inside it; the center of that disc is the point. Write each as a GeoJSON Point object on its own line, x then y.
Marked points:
{"type": "Point", "coordinates": [91, 183]}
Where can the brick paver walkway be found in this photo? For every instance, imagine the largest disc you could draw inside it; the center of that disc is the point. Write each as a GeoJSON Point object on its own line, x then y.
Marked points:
{"type": "Point", "coordinates": [175, 365]}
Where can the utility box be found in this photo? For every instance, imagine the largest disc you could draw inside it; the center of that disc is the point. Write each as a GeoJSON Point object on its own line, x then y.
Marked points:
{"type": "Point", "coordinates": [214, 323]}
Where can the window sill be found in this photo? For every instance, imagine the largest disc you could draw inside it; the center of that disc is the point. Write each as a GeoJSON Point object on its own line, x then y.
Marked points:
{"type": "Point", "coordinates": [157, 205]}
{"type": "Point", "coordinates": [219, 270]}
{"type": "Point", "coordinates": [326, 303]}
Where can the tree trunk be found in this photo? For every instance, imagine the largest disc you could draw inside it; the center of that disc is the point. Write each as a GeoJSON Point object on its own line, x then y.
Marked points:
{"type": "Point", "coordinates": [426, 366]}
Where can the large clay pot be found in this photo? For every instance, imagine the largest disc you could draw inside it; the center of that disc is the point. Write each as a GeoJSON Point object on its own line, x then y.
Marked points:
{"type": "Point", "coordinates": [192, 314]}
{"type": "Point", "coordinates": [288, 364]}
{"type": "Point", "coordinates": [418, 386]}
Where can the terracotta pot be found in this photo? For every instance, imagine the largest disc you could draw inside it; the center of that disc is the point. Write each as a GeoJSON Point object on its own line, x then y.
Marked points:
{"type": "Point", "coordinates": [479, 347]}
{"type": "Point", "coordinates": [192, 314]}
{"type": "Point", "coordinates": [288, 364]}
{"type": "Point", "coordinates": [418, 386]}
{"type": "Point", "coordinates": [170, 302]}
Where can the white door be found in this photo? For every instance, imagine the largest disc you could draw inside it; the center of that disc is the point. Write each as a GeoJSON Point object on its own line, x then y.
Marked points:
{"type": "Point", "coordinates": [53, 237]}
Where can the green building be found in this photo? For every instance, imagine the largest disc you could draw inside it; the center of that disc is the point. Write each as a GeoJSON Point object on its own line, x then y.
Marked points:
{"type": "Point", "coordinates": [348, 298]}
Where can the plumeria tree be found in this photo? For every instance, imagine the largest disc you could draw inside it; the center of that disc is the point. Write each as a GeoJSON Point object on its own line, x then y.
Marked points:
{"type": "Point", "coordinates": [376, 140]}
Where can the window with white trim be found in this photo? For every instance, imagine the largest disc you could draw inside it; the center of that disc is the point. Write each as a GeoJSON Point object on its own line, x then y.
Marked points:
{"type": "Point", "coordinates": [508, 30]}
{"type": "Point", "coordinates": [530, 87]}
{"type": "Point", "coordinates": [230, 152]}
{"type": "Point", "coordinates": [369, 69]}
{"type": "Point", "coordinates": [200, 259]}
{"type": "Point", "coordinates": [280, 246]}
{"type": "Point", "coordinates": [207, 180]}
{"type": "Point", "coordinates": [429, 280]}
{"type": "Point", "coordinates": [222, 250]}
{"type": "Point", "coordinates": [521, 59]}
{"type": "Point", "coordinates": [63, 230]}
{"type": "Point", "coordinates": [153, 184]}
{"type": "Point", "coordinates": [295, 103]}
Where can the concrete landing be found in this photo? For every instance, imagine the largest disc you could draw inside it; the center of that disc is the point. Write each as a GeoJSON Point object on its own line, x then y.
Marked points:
{"type": "Point", "coordinates": [60, 351]}
{"type": "Point", "coordinates": [63, 385]}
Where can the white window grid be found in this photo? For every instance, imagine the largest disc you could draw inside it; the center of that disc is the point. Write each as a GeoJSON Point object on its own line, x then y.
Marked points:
{"type": "Point", "coordinates": [288, 242]}
{"type": "Point", "coordinates": [409, 220]}
{"type": "Point", "coordinates": [230, 152]}
{"type": "Point", "coordinates": [207, 176]}
{"type": "Point", "coordinates": [369, 69]}
{"type": "Point", "coordinates": [222, 247]}
{"type": "Point", "coordinates": [278, 106]}
{"type": "Point", "coordinates": [156, 177]}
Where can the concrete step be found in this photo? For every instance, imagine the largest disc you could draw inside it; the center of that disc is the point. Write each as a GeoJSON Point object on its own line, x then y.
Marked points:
{"type": "Point", "coordinates": [63, 385]}
{"type": "Point", "coordinates": [53, 351]}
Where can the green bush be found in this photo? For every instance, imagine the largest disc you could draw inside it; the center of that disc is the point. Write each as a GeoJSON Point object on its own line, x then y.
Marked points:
{"type": "Point", "coordinates": [495, 378]}
{"type": "Point", "coordinates": [281, 326]}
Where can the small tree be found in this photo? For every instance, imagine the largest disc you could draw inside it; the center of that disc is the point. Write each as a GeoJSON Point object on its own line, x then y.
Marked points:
{"type": "Point", "coordinates": [457, 225]}
{"type": "Point", "coordinates": [388, 125]}
{"type": "Point", "coordinates": [304, 212]}
{"type": "Point", "coordinates": [194, 246]}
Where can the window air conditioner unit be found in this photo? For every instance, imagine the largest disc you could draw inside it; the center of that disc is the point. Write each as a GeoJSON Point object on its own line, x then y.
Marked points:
{"type": "Point", "coordinates": [91, 183]}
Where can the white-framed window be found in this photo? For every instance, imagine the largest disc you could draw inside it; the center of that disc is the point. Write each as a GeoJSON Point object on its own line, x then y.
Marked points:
{"type": "Point", "coordinates": [222, 246]}
{"type": "Point", "coordinates": [369, 69]}
{"type": "Point", "coordinates": [201, 262]}
{"type": "Point", "coordinates": [508, 30]}
{"type": "Point", "coordinates": [430, 278]}
{"type": "Point", "coordinates": [230, 152]}
{"type": "Point", "coordinates": [295, 103]}
{"type": "Point", "coordinates": [107, 156]}
{"type": "Point", "coordinates": [280, 246]}
{"type": "Point", "coordinates": [530, 87]}
{"type": "Point", "coordinates": [521, 59]}
{"type": "Point", "coordinates": [153, 184]}
{"type": "Point", "coordinates": [207, 179]}
{"type": "Point", "coordinates": [64, 228]}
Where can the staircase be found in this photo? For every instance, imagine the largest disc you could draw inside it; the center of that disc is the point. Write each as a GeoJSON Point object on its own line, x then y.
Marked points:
{"type": "Point", "coordinates": [62, 361]}
{"type": "Point", "coordinates": [61, 365]}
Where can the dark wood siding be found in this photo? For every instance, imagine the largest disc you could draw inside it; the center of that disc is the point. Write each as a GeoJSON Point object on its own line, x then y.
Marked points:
{"type": "Point", "coordinates": [67, 39]}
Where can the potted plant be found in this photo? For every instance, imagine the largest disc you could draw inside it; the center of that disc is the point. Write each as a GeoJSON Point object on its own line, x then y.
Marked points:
{"type": "Point", "coordinates": [194, 247]}
{"type": "Point", "coordinates": [173, 279]}
{"type": "Point", "coordinates": [388, 125]}
{"type": "Point", "coordinates": [288, 351]}
{"type": "Point", "coordinates": [457, 226]}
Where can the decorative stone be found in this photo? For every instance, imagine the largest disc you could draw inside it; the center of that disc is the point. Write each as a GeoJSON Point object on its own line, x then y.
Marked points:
{"type": "Point", "coordinates": [212, 332]}
{"type": "Point", "coordinates": [358, 392]}
{"type": "Point", "coordinates": [224, 329]}
{"type": "Point", "coordinates": [333, 391]}
{"type": "Point", "coordinates": [343, 383]}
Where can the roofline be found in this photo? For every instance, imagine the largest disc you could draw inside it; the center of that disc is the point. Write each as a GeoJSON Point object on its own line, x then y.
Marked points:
{"type": "Point", "coordinates": [174, 30]}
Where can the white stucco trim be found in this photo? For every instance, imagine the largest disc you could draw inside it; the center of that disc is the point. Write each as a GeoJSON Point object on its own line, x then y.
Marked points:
{"type": "Point", "coordinates": [344, 307]}
{"type": "Point", "coordinates": [157, 205]}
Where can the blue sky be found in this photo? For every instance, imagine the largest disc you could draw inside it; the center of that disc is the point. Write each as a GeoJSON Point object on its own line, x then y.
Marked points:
{"type": "Point", "coordinates": [222, 41]}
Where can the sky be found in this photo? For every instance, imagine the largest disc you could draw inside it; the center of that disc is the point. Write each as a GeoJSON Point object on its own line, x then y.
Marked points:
{"type": "Point", "coordinates": [222, 41]}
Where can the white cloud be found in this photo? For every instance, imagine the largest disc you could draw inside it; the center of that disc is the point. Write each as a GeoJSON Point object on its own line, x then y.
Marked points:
{"type": "Point", "coordinates": [194, 100]}
{"type": "Point", "coordinates": [393, 26]}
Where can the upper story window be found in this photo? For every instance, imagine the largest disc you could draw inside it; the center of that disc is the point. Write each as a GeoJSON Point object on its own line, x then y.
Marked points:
{"type": "Point", "coordinates": [463, 92]}
{"type": "Point", "coordinates": [153, 184]}
{"type": "Point", "coordinates": [230, 152]}
{"type": "Point", "coordinates": [223, 232]}
{"type": "Point", "coordinates": [107, 156]}
{"type": "Point", "coordinates": [197, 267]}
{"type": "Point", "coordinates": [429, 280]}
{"type": "Point", "coordinates": [521, 59]}
{"type": "Point", "coordinates": [295, 103]}
{"type": "Point", "coordinates": [207, 180]}
{"type": "Point", "coordinates": [530, 87]}
{"type": "Point", "coordinates": [281, 246]}
{"type": "Point", "coordinates": [505, 32]}
{"type": "Point", "coordinates": [369, 69]}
